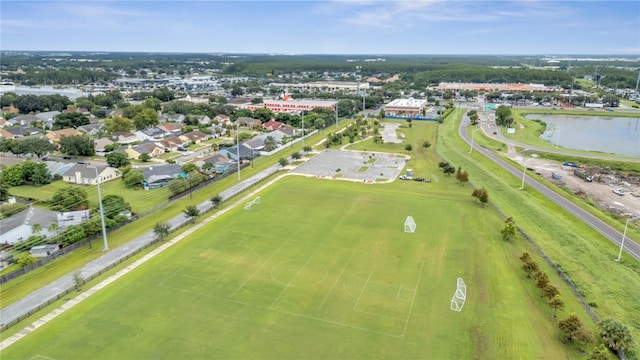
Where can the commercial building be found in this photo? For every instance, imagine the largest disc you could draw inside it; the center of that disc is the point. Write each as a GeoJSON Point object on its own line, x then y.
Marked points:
{"type": "Point", "coordinates": [498, 87]}
{"type": "Point", "coordinates": [323, 86]}
{"type": "Point", "coordinates": [293, 106]}
{"type": "Point", "coordinates": [405, 107]}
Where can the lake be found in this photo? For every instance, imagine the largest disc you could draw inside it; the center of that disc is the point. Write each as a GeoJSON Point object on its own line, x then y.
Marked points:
{"type": "Point", "coordinates": [617, 135]}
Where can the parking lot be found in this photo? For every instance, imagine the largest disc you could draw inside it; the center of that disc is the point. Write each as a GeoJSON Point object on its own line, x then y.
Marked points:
{"type": "Point", "coordinates": [353, 165]}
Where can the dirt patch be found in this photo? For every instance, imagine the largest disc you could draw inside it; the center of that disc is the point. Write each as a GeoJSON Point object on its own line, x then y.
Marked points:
{"type": "Point", "coordinates": [599, 191]}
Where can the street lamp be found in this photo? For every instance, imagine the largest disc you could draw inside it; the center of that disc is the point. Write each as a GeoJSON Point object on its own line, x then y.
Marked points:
{"type": "Point", "coordinates": [302, 113]}
{"type": "Point", "coordinates": [472, 136]}
{"type": "Point", "coordinates": [238, 147]}
{"type": "Point", "coordinates": [624, 234]}
{"type": "Point", "coordinates": [524, 170]}
{"type": "Point", "coordinates": [104, 230]}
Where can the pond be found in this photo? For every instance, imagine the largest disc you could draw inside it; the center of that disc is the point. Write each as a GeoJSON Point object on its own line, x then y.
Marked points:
{"type": "Point", "coordinates": [617, 135]}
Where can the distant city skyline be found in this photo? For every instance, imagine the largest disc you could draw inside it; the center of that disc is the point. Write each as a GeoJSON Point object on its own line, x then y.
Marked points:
{"type": "Point", "coordinates": [325, 27]}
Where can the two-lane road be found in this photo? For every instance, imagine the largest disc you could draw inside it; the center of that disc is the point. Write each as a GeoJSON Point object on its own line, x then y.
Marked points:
{"type": "Point", "coordinates": [630, 246]}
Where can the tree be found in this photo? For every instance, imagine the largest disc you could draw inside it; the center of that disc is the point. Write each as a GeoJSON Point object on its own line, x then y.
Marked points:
{"type": "Point", "coordinates": [36, 146]}
{"type": "Point", "coordinates": [187, 168]}
{"type": "Point", "coordinates": [570, 324]}
{"type": "Point", "coordinates": [503, 116]}
{"type": "Point", "coordinates": [615, 335]}
{"type": "Point", "coordinates": [601, 352]}
{"type": "Point", "coordinates": [77, 145]}
{"type": "Point", "coordinates": [53, 228]}
{"type": "Point", "coordinates": [296, 156]}
{"type": "Point", "coordinates": [4, 190]}
{"type": "Point", "coordinates": [78, 280]}
{"type": "Point", "coordinates": [216, 201]}
{"type": "Point", "coordinates": [134, 177]}
{"type": "Point", "coordinates": [69, 198]}
{"type": "Point", "coordinates": [481, 195]}
{"type": "Point", "coordinates": [408, 147]}
{"type": "Point", "coordinates": [161, 230]}
{"type": "Point", "coordinates": [409, 122]}
{"type": "Point", "coordinates": [113, 204]}
{"type": "Point", "coordinates": [192, 212]}
{"type": "Point", "coordinates": [556, 303]}
{"type": "Point", "coordinates": [270, 143]}
{"type": "Point", "coordinates": [119, 123]}
{"type": "Point", "coordinates": [542, 281]}
{"type": "Point", "coordinates": [283, 162]}
{"type": "Point", "coordinates": [25, 259]}
{"type": "Point", "coordinates": [525, 257]}
{"type": "Point", "coordinates": [207, 167]}
{"type": "Point", "coordinates": [144, 157]}
{"type": "Point", "coordinates": [509, 231]}
{"type": "Point", "coordinates": [530, 267]}
{"type": "Point", "coordinates": [426, 144]}
{"type": "Point", "coordinates": [583, 336]}
{"type": "Point", "coordinates": [307, 148]}
{"type": "Point", "coordinates": [69, 120]}
{"type": "Point", "coordinates": [145, 118]}
{"type": "Point", "coordinates": [117, 159]}
{"type": "Point", "coordinates": [551, 291]}
{"type": "Point", "coordinates": [36, 229]}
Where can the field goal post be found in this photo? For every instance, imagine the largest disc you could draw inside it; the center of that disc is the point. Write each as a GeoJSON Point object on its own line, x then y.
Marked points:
{"type": "Point", "coordinates": [409, 225]}
{"type": "Point", "coordinates": [250, 204]}
{"type": "Point", "coordinates": [460, 296]}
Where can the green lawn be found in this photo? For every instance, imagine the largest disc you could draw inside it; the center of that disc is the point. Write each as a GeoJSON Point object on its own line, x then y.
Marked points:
{"type": "Point", "coordinates": [330, 276]}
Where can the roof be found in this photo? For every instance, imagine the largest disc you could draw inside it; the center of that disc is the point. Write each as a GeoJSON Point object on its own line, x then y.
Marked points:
{"type": "Point", "coordinates": [58, 168]}
{"type": "Point", "coordinates": [29, 217]}
{"type": "Point", "coordinates": [89, 127]}
{"type": "Point", "coordinates": [272, 124]}
{"type": "Point", "coordinates": [247, 120]}
{"type": "Point", "coordinates": [407, 103]}
{"type": "Point", "coordinates": [85, 171]}
{"type": "Point", "coordinates": [145, 147]}
{"type": "Point", "coordinates": [245, 152]}
{"type": "Point", "coordinates": [172, 170]}
{"type": "Point", "coordinates": [46, 115]}
{"type": "Point", "coordinates": [216, 158]}
{"type": "Point", "coordinates": [154, 131]}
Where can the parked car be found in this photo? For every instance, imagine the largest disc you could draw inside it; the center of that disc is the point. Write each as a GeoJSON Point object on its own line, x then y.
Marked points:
{"type": "Point", "coordinates": [618, 192]}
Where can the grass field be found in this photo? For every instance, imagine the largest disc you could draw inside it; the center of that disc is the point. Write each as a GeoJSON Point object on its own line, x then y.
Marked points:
{"type": "Point", "coordinates": [333, 276]}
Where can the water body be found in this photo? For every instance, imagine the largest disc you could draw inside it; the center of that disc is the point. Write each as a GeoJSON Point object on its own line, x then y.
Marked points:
{"type": "Point", "coordinates": [71, 93]}
{"type": "Point", "coordinates": [616, 135]}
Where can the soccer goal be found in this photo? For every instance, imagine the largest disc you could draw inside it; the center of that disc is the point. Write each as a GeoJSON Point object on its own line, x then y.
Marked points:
{"type": "Point", "coordinates": [409, 225]}
{"type": "Point", "coordinates": [460, 296]}
{"type": "Point", "coordinates": [250, 204]}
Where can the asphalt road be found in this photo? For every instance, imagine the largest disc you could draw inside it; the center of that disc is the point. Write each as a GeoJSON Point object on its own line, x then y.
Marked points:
{"type": "Point", "coordinates": [630, 246]}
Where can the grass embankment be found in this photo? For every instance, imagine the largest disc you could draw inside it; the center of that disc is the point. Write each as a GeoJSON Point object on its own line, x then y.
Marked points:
{"type": "Point", "coordinates": [323, 267]}
{"type": "Point", "coordinates": [582, 253]}
{"type": "Point", "coordinates": [24, 285]}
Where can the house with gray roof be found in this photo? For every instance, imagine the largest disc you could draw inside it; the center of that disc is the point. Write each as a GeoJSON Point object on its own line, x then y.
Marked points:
{"type": "Point", "coordinates": [247, 121]}
{"type": "Point", "coordinates": [19, 227]}
{"type": "Point", "coordinates": [23, 120]}
{"type": "Point", "coordinates": [58, 168]}
{"type": "Point", "coordinates": [232, 152]}
{"type": "Point", "coordinates": [84, 175]}
{"type": "Point", "coordinates": [159, 176]}
{"type": "Point", "coordinates": [150, 134]}
{"type": "Point", "coordinates": [21, 131]}
{"type": "Point", "coordinates": [92, 129]}
{"type": "Point", "coordinates": [47, 118]}
{"type": "Point", "coordinates": [124, 137]}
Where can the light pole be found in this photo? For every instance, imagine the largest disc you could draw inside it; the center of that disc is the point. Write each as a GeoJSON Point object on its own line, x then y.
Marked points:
{"type": "Point", "coordinates": [624, 234]}
{"type": "Point", "coordinates": [473, 134]}
{"type": "Point", "coordinates": [336, 114]}
{"type": "Point", "coordinates": [524, 171]}
{"type": "Point", "coordinates": [238, 148]}
{"type": "Point", "coordinates": [302, 113]}
{"type": "Point", "coordinates": [104, 230]}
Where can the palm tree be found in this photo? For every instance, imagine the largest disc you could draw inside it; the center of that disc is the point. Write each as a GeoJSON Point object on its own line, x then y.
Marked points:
{"type": "Point", "coordinates": [161, 230]}
{"type": "Point", "coordinates": [36, 229]}
{"type": "Point", "coordinates": [270, 143]}
{"type": "Point", "coordinates": [192, 212]}
{"type": "Point", "coordinates": [53, 228]}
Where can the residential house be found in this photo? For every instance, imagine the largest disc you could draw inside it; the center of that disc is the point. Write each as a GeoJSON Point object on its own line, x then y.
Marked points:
{"type": "Point", "coordinates": [174, 118]}
{"type": "Point", "coordinates": [22, 131]}
{"type": "Point", "coordinates": [4, 134]}
{"type": "Point", "coordinates": [151, 134]}
{"type": "Point", "coordinates": [255, 144]}
{"type": "Point", "coordinates": [195, 137]}
{"type": "Point", "coordinates": [222, 119]}
{"type": "Point", "coordinates": [288, 130]}
{"type": "Point", "coordinates": [23, 120]}
{"type": "Point", "coordinates": [3, 123]}
{"type": "Point", "coordinates": [84, 175]}
{"type": "Point", "coordinates": [159, 176]}
{"type": "Point", "coordinates": [248, 122]}
{"type": "Point", "coordinates": [10, 109]}
{"type": "Point", "coordinates": [124, 137]}
{"type": "Point", "coordinates": [101, 144]}
{"type": "Point", "coordinates": [149, 148]}
{"type": "Point", "coordinates": [114, 112]}
{"type": "Point", "coordinates": [58, 168]}
{"type": "Point", "coordinates": [202, 119]}
{"type": "Point", "coordinates": [57, 134]}
{"type": "Point", "coordinates": [217, 131]}
{"type": "Point", "coordinates": [19, 227]}
{"type": "Point", "coordinates": [68, 218]}
{"type": "Point", "coordinates": [219, 162]}
{"type": "Point", "coordinates": [232, 152]}
{"type": "Point", "coordinates": [170, 128]}
{"type": "Point", "coordinates": [172, 143]}
{"type": "Point", "coordinates": [272, 125]}
{"type": "Point", "coordinates": [41, 251]}
{"type": "Point", "coordinates": [47, 118]}
{"type": "Point", "coordinates": [92, 129]}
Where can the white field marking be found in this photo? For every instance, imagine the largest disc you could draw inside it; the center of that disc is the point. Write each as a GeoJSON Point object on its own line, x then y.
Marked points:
{"type": "Point", "coordinates": [335, 282]}
{"type": "Point", "coordinates": [364, 287]}
{"type": "Point", "coordinates": [68, 305]}
{"type": "Point", "coordinates": [399, 290]}
{"type": "Point", "coordinates": [236, 263]}
{"type": "Point", "coordinates": [380, 315]}
{"type": "Point", "coordinates": [258, 269]}
{"type": "Point", "coordinates": [406, 324]}
{"type": "Point", "coordinates": [288, 312]}
{"type": "Point", "coordinates": [308, 284]}
{"type": "Point", "coordinates": [35, 357]}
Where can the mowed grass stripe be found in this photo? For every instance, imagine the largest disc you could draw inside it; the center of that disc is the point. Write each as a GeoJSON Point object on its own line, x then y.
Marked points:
{"type": "Point", "coordinates": [368, 290]}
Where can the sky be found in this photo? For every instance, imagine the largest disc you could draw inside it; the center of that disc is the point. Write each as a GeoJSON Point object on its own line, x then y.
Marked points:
{"type": "Point", "coordinates": [520, 27]}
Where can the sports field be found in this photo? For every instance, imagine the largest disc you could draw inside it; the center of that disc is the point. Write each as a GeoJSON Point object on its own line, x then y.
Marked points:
{"type": "Point", "coordinates": [319, 269]}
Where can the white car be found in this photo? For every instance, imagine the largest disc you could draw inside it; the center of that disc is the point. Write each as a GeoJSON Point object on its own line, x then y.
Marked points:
{"type": "Point", "coordinates": [619, 192]}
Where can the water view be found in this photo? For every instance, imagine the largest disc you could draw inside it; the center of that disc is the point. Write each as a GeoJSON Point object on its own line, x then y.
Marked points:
{"type": "Point", "coordinates": [617, 135]}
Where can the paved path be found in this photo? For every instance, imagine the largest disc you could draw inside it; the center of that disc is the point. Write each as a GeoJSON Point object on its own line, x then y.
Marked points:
{"type": "Point", "coordinates": [56, 289]}
{"type": "Point", "coordinates": [631, 247]}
